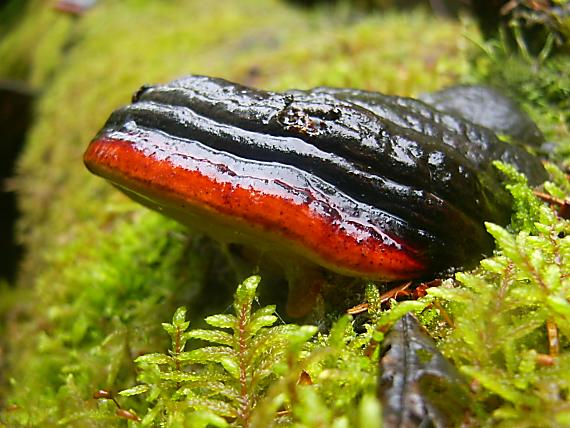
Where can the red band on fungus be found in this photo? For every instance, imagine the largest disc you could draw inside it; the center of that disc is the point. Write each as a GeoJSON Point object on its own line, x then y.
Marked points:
{"type": "Point", "coordinates": [329, 243]}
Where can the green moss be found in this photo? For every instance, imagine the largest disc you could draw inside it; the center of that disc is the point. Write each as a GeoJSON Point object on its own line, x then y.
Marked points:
{"type": "Point", "coordinates": [82, 334]}
{"type": "Point", "coordinates": [502, 312]}
{"type": "Point", "coordinates": [35, 47]}
{"type": "Point", "coordinates": [363, 56]}
{"type": "Point", "coordinates": [102, 273]}
{"type": "Point", "coordinates": [226, 380]}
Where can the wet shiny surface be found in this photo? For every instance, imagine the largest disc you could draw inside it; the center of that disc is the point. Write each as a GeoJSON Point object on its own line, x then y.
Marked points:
{"type": "Point", "coordinates": [283, 203]}
{"type": "Point", "coordinates": [362, 183]}
{"type": "Point", "coordinates": [418, 387]}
